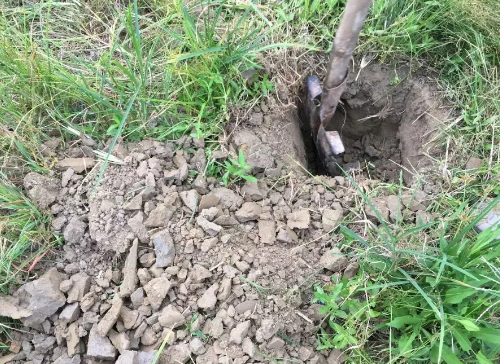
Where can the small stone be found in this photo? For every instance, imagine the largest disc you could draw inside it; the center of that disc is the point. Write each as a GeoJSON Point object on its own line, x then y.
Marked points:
{"type": "Point", "coordinates": [423, 217]}
{"type": "Point", "coordinates": [109, 319]}
{"type": "Point", "coordinates": [412, 203]}
{"type": "Point", "coordinates": [127, 357]}
{"type": "Point", "coordinates": [79, 288]}
{"type": "Point", "coordinates": [137, 298]}
{"type": "Point", "coordinates": [216, 327]}
{"type": "Point", "coordinates": [139, 331]}
{"type": "Point", "coordinates": [77, 164]}
{"type": "Point", "coordinates": [73, 343]}
{"type": "Point", "coordinates": [10, 307]}
{"type": "Point", "coordinates": [276, 343]}
{"type": "Point", "coordinates": [208, 244]}
{"type": "Point", "coordinates": [334, 260]}
{"type": "Point", "coordinates": [208, 201]}
{"type": "Point", "coordinates": [99, 347]}
{"type": "Point", "coordinates": [226, 220]}
{"type": "Point", "coordinates": [134, 204]}
{"type": "Point", "coordinates": [66, 285]}
{"type": "Point", "coordinates": [171, 318]}
{"type": "Point", "coordinates": [381, 210]}
{"type": "Point", "coordinates": [178, 354]}
{"type": "Point", "coordinates": [200, 184]}
{"type": "Point", "coordinates": [160, 216]}
{"type": "Point", "coordinates": [147, 259]}
{"type": "Point", "coordinates": [164, 248]}
{"type": "Point", "coordinates": [248, 347]}
{"type": "Point", "coordinates": [171, 175]}
{"type": "Point", "coordinates": [267, 231]}
{"type": "Point", "coordinates": [252, 191]}
{"type": "Point", "coordinates": [145, 357]}
{"type": "Point", "coordinates": [66, 177]}
{"type": "Point", "coordinates": [351, 270]}
{"type": "Point", "coordinates": [298, 219]}
{"type": "Point", "coordinates": [136, 224]}
{"type": "Point", "coordinates": [70, 313]}
{"type": "Point", "coordinates": [474, 163]}
{"type": "Point", "coordinates": [372, 152]}
{"type": "Point", "coordinates": [246, 306]}
{"type": "Point", "coordinates": [200, 273]}
{"type": "Point", "coordinates": [130, 271]}
{"type": "Point", "coordinates": [196, 346]}
{"type": "Point", "coordinates": [331, 218]}
{"type": "Point", "coordinates": [210, 228]}
{"type": "Point", "coordinates": [239, 332]}
{"type": "Point", "coordinates": [150, 180]}
{"type": "Point", "coordinates": [224, 289]}
{"type": "Point", "coordinates": [256, 119]}
{"type": "Point", "coordinates": [74, 231]}
{"type": "Point", "coordinates": [190, 199]}
{"type": "Point", "coordinates": [120, 340]}
{"type": "Point", "coordinates": [335, 357]}
{"type": "Point", "coordinates": [248, 212]}
{"type": "Point", "coordinates": [305, 353]}
{"type": "Point", "coordinates": [129, 317]}
{"type": "Point", "coordinates": [87, 301]}
{"type": "Point", "coordinates": [287, 235]}
{"type": "Point", "coordinates": [208, 300]}
{"type": "Point", "coordinates": [149, 337]}
{"type": "Point", "coordinates": [41, 189]}
{"type": "Point", "coordinates": [394, 206]}
{"type": "Point", "coordinates": [156, 290]}
{"type": "Point", "coordinates": [267, 330]}
{"type": "Point", "coordinates": [42, 298]}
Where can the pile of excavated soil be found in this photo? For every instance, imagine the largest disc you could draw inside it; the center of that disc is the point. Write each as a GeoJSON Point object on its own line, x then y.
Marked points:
{"type": "Point", "coordinates": [157, 251]}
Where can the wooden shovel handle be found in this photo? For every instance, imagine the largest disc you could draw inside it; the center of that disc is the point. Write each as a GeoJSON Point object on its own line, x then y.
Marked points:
{"type": "Point", "coordinates": [346, 40]}
{"type": "Point", "coordinates": [340, 57]}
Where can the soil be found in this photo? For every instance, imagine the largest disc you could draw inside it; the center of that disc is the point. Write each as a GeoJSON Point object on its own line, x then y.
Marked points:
{"type": "Point", "coordinates": [388, 120]}
{"type": "Point", "coordinates": [225, 275]}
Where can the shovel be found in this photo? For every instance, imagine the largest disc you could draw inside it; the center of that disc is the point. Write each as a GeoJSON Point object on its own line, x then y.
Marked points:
{"type": "Point", "coordinates": [321, 103]}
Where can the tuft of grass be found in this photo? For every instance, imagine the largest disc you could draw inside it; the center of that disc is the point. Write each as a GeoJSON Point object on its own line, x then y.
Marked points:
{"type": "Point", "coordinates": [24, 235]}
{"type": "Point", "coordinates": [437, 304]}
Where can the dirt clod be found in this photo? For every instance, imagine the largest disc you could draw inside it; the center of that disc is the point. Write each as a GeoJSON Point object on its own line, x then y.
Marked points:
{"type": "Point", "coordinates": [41, 297]}
{"type": "Point", "coordinates": [333, 260]}
{"type": "Point", "coordinates": [298, 219]}
{"type": "Point", "coordinates": [100, 347]}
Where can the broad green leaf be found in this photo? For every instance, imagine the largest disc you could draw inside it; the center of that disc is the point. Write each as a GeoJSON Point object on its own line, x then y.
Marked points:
{"type": "Point", "coordinates": [461, 338]}
{"type": "Point", "coordinates": [401, 321]}
{"type": "Point", "coordinates": [469, 325]}
{"type": "Point", "coordinates": [482, 359]}
{"type": "Point", "coordinates": [449, 356]}
{"type": "Point", "coordinates": [341, 314]}
{"type": "Point", "coordinates": [405, 344]}
{"type": "Point", "coordinates": [458, 294]}
{"type": "Point", "coordinates": [488, 335]}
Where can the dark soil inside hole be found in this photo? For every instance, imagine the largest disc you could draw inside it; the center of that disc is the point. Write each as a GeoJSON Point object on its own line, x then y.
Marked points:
{"type": "Point", "coordinates": [387, 127]}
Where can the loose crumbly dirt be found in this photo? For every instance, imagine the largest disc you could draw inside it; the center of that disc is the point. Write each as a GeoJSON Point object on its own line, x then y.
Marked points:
{"type": "Point", "coordinates": [157, 249]}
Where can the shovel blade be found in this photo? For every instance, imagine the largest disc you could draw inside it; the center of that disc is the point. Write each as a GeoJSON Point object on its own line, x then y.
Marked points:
{"type": "Point", "coordinates": [328, 143]}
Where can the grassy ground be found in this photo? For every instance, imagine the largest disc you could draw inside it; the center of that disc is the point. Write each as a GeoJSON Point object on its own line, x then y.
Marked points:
{"type": "Point", "coordinates": [150, 68]}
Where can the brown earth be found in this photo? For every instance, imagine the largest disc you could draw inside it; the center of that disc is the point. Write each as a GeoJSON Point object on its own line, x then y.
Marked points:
{"type": "Point", "coordinates": [226, 275]}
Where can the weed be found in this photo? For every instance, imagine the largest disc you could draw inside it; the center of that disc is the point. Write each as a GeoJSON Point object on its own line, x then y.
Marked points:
{"type": "Point", "coordinates": [237, 170]}
{"type": "Point", "coordinates": [198, 333]}
{"type": "Point", "coordinates": [260, 289]}
{"type": "Point", "coordinates": [439, 304]}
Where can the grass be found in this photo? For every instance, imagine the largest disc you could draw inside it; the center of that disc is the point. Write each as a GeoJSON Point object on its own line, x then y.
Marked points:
{"type": "Point", "coordinates": [154, 68]}
{"type": "Point", "coordinates": [24, 235]}
{"type": "Point", "coordinates": [413, 302]}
